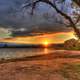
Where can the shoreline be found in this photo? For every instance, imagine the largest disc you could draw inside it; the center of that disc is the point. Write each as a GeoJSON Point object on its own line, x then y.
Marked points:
{"type": "Point", "coordinates": [61, 54]}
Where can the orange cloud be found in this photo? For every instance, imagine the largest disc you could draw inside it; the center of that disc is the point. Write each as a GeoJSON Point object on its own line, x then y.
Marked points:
{"type": "Point", "coordinates": [50, 38]}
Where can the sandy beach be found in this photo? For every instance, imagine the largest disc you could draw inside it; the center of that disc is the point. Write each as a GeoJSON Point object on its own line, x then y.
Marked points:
{"type": "Point", "coordinates": [63, 65]}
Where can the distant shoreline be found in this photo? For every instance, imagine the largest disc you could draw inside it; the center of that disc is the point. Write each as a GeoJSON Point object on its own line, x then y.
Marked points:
{"type": "Point", "coordinates": [13, 45]}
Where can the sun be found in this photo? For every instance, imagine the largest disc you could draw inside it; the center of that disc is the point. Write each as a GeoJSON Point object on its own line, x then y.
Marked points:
{"type": "Point", "coordinates": [46, 43]}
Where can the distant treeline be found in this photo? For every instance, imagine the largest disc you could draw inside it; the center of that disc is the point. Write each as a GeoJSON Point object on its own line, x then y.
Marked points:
{"type": "Point", "coordinates": [12, 45]}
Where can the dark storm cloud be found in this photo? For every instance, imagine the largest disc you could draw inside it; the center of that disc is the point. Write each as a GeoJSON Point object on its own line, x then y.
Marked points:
{"type": "Point", "coordinates": [43, 20]}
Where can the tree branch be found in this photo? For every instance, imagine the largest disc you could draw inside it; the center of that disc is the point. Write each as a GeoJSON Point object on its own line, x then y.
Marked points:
{"type": "Point", "coordinates": [34, 6]}
{"type": "Point", "coordinates": [58, 11]}
{"type": "Point", "coordinates": [78, 19]}
{"type": "Point", "coordinates": [77, 2]}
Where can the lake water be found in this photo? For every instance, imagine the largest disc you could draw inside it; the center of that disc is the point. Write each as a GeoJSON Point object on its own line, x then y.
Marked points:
{"type": "Point", "coordinates": [9, 53]}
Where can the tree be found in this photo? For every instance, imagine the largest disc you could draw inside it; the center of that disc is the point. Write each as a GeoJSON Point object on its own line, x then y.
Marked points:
{"type": "Point", "coordinates": [71, 21]}
{"type": "Point", "coordinates": [77, 2]}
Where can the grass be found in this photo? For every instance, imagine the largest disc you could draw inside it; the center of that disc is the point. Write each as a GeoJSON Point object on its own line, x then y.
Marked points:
{"type": "Point", "coordinates": [71, 71]}
{"type": "Point", "coordinates": [74, 48]}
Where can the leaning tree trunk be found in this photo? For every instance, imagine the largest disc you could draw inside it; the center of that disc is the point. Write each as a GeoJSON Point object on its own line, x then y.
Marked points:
{"type": "Point", "coordinates": [77, 31]}
{"type": "Point", "coordinates": [73, 25]}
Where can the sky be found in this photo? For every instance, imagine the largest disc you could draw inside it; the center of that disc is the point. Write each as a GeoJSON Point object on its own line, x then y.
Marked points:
{"type": "Point", "coordinates": [15, 18]}
{"type": "Point", "coordinates": [44, 18]}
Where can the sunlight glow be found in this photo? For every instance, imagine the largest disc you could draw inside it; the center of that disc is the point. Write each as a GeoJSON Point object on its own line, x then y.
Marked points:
{"type": "Point", "coordinates": [44, 40]}
{"type": "Point", "coordinates": [46, 43]}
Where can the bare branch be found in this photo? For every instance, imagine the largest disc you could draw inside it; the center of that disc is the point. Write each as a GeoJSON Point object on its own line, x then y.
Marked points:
{"type": "Point", "coordinates": [34, 6]}
{"type": "Point", "coordinates": [60, 12]}
{"type": "Point", "coordinates": [77, 2]}
{"type": "Point", "coordinates": [78, 19]}
{"type": "Point", "coordinates": [26, 5]}
{"type": "Point", "coordinates": [52, 5]}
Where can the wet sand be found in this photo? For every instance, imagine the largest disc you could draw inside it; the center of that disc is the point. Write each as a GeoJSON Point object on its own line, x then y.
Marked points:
{"type": "Point", "coordinates": [59, 65]}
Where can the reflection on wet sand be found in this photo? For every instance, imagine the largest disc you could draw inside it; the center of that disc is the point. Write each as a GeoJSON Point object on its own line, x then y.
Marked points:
{"type": "Point", "coordinates": [23, 52]}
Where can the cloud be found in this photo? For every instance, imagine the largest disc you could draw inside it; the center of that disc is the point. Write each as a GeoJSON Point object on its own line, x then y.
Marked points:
{"type": "Point", "coordinates": [43, 20]}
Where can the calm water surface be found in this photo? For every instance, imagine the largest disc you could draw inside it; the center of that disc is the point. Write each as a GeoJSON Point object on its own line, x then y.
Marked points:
{"type": "Point", "coordinates": [23, 52]}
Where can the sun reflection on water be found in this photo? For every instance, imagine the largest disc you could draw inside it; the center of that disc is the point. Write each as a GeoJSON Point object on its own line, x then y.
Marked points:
{"type": "Point", "coordinates": [46, 51]}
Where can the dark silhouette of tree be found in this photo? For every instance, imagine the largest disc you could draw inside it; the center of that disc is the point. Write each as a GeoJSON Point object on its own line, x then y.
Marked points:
{"type": "Point", "coordinates": [77, 2]}
{"type": "Point", "coordinates": [72, 23]}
